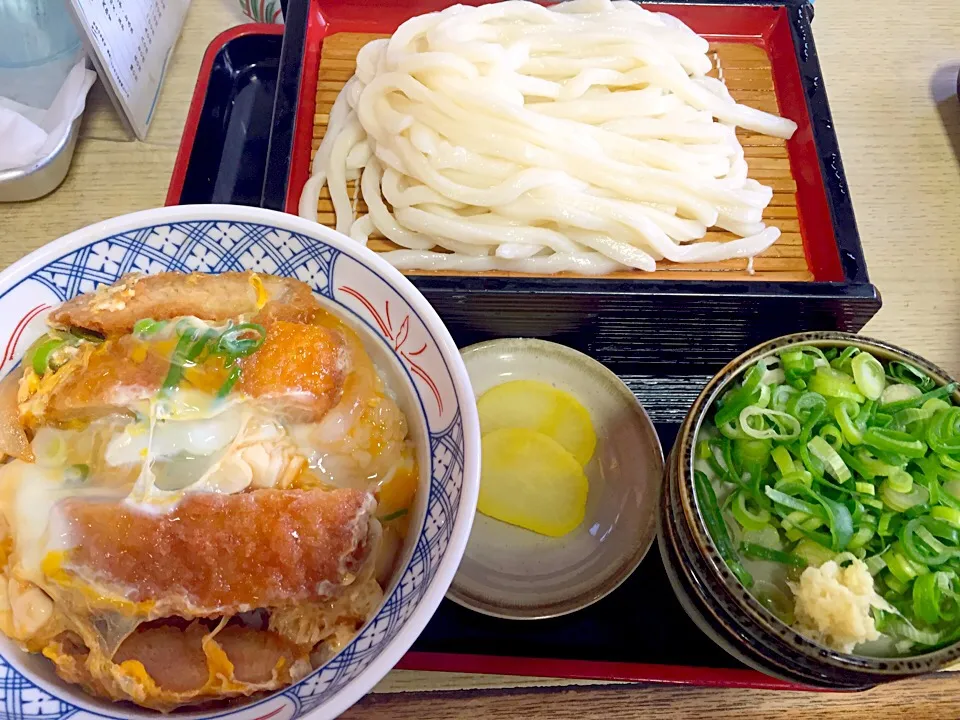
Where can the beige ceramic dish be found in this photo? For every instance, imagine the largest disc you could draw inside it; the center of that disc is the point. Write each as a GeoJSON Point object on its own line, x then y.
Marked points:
{"type": "Point", "coordinates": [510, 572]}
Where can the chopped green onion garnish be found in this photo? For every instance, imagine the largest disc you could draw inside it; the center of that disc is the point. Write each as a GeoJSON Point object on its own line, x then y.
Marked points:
{"type": "Point", "coordinates": [909, 375]}
{"type": "Point", "coordinates": [791, 502]}
{"type": "Point", "coordinates": [395, 515]}
{"type": "Point", "coordinates": [703, 449]}
{"type": "Point", "coordinates": [839, 455]}
{"type": "Point", "coordinates": [934, 404]}
{"type": "Point", "coordinates": [861, 537]}
{"type": "Point", "coordinates": [892, 582]}
{"type": "Point", "coordinates": [899, 393]}
{"type": "Point", "coordinates": [799, 476]}
{"type": "Point", "coordinates": [832, 434]}
{"type": "Point", "coordinates": [926, 598]}
{"type": "Point", "coordinates": [833, 463]}
{"type": "Point", "coordinates": [834, 384]}
{"type": "Point", "coordinates": [846, 413]}
{"type": "Point", "coordinates": [813, 553]}
{"type": "Point", "coordinates": [781, 456]}
{"type": "Point", "coordinates": [868, 375]}
{"type": "Point", "coordinates": [759, 552]}
{"type": "Point", "coordinates": [749, 519]}
{"type": "Point", "coordinates": [894, 441]}
{"type": "Point", "coordinates": [716, 525]}
{"type": "Point", "coordinates": [807, 406]}
{"type": "Point", "coordinates": [874, 465]}
{"type": "Point", "coordinates": [943, 431]}
{"type": "Point", "coordinates": [901, 502]}
{"type": "Point", "coordinates": [919, 400]}
{"type": "Point", "coordinates": [191, 343]}
{"type": "Point", "coordinates": [231, 380]}
{"type": "Point", "coordinates": [900, 481]}
{"type": "Point", "coordinates": [928, 552]}
{"type": "Point", "coordinates": [875, 564]}
{"type": "Point", "coordinates": [242, 340]}
{"type": "Point", "coordinates": [842, 361]}
{"type": "Point", "coordinates": [899, 566]}
{"type": "Point", "coordinates": [947, 514]}
{"type": "Point", "coordinates": [883, 526]}
{"type": "Point", "coordinates": [749, 454]}
{"type": "Point", "coordinates": [904, 419]}
{"type": "Point", "coordinates": [147, 327]}
{"type": "Point", "coordinates": [76, 474]}
{"type": "Point", "coordinates": [40, 359]}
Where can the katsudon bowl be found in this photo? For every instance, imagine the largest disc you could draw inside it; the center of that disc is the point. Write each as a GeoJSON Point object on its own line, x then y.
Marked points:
{"type": "Point", "coordinates": [414, 356]}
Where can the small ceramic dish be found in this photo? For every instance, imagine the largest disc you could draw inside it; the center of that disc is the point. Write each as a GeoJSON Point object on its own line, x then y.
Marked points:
{"type": "Point", "coordinates": [713, 597]}
{"type": "Point", "coordinates": [510, 572]}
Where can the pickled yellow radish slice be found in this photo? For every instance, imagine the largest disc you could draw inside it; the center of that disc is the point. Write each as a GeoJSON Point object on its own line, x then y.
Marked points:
{"type": "Point", "coordinates": [541, 407]}
{"type": "Point", "coordinates": [529, 479]}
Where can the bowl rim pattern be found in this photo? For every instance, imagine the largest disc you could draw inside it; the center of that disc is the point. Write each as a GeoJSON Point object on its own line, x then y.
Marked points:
{"type": "Point", "coordinates": [243, 238]}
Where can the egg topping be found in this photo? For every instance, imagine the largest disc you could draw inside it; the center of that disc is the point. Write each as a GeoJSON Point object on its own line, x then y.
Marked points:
{"type": "Point", "coordinates": [197, 493]}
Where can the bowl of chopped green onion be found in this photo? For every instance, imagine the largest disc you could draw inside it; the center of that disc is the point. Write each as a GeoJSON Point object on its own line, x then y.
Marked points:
{"type": "Point", "coordinates": [810, 520]}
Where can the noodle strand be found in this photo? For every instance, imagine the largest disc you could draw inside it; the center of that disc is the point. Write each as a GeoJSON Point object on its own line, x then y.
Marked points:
{"type": "Point", "coordinates": [583, 137]}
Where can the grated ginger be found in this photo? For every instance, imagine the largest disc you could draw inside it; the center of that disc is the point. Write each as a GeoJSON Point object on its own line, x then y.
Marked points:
{"type": "Point", "coordinates": [833, 605]}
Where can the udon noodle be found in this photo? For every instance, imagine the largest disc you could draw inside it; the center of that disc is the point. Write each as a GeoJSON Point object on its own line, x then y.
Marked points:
{"type": "Point", "coordinates": [583, 137]}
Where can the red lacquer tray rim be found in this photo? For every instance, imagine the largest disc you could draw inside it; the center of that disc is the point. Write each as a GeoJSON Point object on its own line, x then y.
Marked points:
{"type": "Point", "coordinates": [595, 670]}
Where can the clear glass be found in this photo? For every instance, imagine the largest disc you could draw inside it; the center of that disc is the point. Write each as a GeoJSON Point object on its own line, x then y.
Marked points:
{"type": "Point", "coordinates": [39, 44]}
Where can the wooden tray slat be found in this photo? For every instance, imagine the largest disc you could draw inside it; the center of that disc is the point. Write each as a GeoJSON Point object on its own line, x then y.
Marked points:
{"type": "Point", "coordinates": [746, 71]}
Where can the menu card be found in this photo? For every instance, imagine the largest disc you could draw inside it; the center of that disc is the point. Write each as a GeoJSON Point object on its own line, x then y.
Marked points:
{"type": "Point", "coordinates": [130, 43]}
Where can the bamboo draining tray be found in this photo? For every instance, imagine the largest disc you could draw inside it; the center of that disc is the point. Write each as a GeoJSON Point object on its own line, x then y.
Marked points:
{"type": "Point", "coordinates": [746, 71]}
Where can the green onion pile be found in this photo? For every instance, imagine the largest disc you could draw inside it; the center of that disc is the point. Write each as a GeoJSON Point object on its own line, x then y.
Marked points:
{"type": "Point", "coordinates": [196, 342]}
{"type": "Point", "coordinates": [819, 453]}
{"type": "Point", "coordinates": [51, 350]}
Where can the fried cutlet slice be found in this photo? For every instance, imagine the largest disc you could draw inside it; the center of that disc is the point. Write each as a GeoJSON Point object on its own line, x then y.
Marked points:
{"type": "Point", "coordinates": [175, 660]}
{"type": "Point", "coordinates": [223, 553]}
{"type": "Point", "coordinates": [172, 662]}
{"type": "Point", "coordinates": [300, 369]}
{"type": "Point", "coordinates": [113, 309]}
{"type": "Point", "coordinates": [303, 366]}
{"type": "Point", "coordinates": [106, 380]}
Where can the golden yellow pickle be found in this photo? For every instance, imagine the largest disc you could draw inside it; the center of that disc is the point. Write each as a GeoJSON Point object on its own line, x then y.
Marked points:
{"type": "Point", "coordinates": [528, 479]}
{"type": "Point", "coordinates": [538, 406]}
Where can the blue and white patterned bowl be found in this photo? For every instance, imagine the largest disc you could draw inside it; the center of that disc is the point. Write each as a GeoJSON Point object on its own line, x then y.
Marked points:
{"type": "Point", "coordinates": [399, 327]}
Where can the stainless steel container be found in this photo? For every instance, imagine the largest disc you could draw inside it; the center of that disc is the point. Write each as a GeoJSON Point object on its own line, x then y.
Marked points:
{"type": "Point", "coordinates": [45, 175]}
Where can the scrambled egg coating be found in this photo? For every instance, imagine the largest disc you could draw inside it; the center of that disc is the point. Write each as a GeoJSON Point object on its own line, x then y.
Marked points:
{"type": "Point", "coordinates": [257, 554]}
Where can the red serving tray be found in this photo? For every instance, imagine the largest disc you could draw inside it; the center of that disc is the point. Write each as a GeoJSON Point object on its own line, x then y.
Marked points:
{"type": "Point", "coordinates": [760, 25]}
{"type": "Point", "coordinates": [195, 112]}
{"type": "Point", "coordinates": [595, 670]}
{"type": "Point", "coordinates": [765, 26]}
